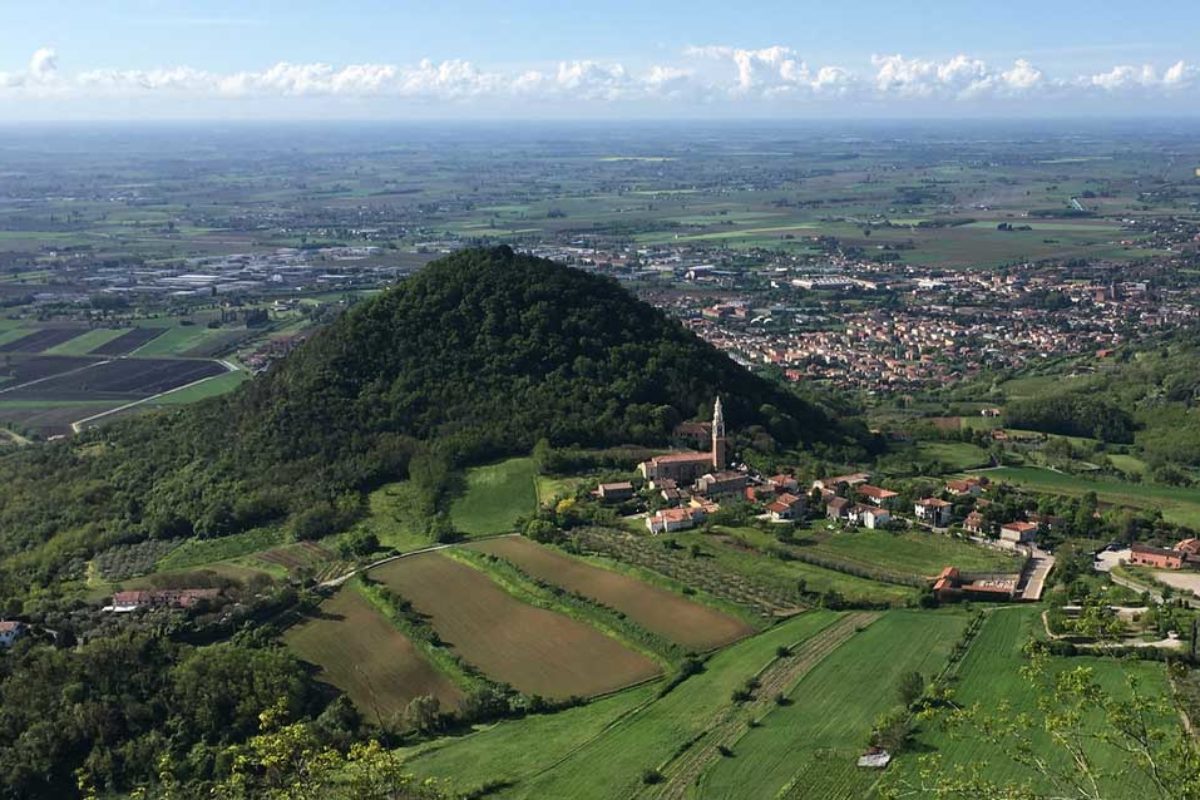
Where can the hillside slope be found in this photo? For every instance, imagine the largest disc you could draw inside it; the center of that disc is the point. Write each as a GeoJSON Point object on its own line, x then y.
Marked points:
{"type": "Point", "coordinates": [480, 354]}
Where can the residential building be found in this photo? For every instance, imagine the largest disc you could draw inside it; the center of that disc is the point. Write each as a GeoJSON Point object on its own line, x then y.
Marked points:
{"type": "Point", "coordinates": [718, 483]}
{"type": "Point", "coordinates": [877, 495]}
{"type": "Point", "coordinates": [869, 516]}
{"type": "Point", "coordinates": [971, 486]}
{"type": "Point", "coordinates": [674, 519]}
{"type": "Point", "coordinates": [975, 523]}
{"type": "Point", "coordinates": [1158, 557]}
{"type": "Point", "coordinates": [838, 481]}
{"type": "Point", "coordinates": [10, 631]}
{"type": "Point", "coordinates": [1018, 532]}
{"type": "Point", "coordinates": [837, 508]}
{"type": "Point", "coordinates": [934, 511]}
{"type": "Point", "coordinates": [160, 598]}
{"type": "Point", "coordinates": [615, 492]}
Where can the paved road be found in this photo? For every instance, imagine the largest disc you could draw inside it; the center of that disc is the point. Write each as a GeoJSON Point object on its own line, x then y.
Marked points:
{"type": "Point", "coordinates": [1040, 564]}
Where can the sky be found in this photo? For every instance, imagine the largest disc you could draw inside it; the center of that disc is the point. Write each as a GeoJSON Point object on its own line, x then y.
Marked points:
{"type": "Point", "coordinates": [537, 59]}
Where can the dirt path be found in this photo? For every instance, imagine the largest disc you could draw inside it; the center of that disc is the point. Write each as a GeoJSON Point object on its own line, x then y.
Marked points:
{"type": "Point", "coordinates": [340, 579]}
{"type": "Point", "coordinates": [780, 676]}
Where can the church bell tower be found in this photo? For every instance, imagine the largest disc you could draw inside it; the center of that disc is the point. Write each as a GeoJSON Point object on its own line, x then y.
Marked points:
{"type": "Point", "coordinates": [720, 453]}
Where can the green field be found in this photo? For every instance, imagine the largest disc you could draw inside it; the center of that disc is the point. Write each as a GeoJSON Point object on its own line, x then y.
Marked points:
{"type": "Point", "coordinates": [1179, 505]}
{"type": "Point", "coordinates": [818, 737]}
{"type": "Point", "coordinates": [989, 675]}
{"type": "Point", "coordinates": [86, 342]}
{"type": "Point", "coordinates": [200, 552]}
{"type": "Point", "coordinates": [396, 514]}
{"type": "Point", "coordinates": [916, 553]}
{"type": "Point", "coordinates": [496, 495]}
{"type": "Point", "coordinates": [955, 455]}
{"type": "Point", "coordinates": [210, 387]}
{"type": "Point", "coordinates": [786, 574]}
{"type": "Point", "coordinates": [598, 761]}
{"type": "Point", "coordinates": [178, 339]}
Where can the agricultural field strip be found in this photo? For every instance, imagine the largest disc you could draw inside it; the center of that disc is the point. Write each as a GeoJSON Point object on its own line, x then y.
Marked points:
{"type": "Point", "coordinates": [523, 587]}
{"type": "Point", "coordinates": [35, 381]}
{"type": "Point", "coordinates": [362, 653]}
{"type": "Point", "coordinates": [778, 677]}
{"type": "Point", "coordinates": [732, 587]}
{"type": "Point", "coordinates": [536, 650]}
{"type": "Point", "coordinates": [656, 609]}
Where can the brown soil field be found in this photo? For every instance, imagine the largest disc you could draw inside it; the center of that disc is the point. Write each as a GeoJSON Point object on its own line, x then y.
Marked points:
{"type": "Point", "coordinates": [130, 378]}
{"type": "Point", "coordinates": [41, 340]}
{"type": "Point", "coordinates": [683, 621]}
{"type": "Point", "coordinates": [362, 654]}
{"type": "Point", "coordinates": [535, 650]}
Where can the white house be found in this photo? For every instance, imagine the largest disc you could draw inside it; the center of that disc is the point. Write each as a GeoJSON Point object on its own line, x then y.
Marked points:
{"type": "Point", "coordinates": [933, 510]}
{"type": "Point", "coordinates": [10, 631]}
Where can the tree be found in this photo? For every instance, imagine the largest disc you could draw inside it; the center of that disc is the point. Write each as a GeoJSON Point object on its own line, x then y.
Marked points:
{"type": "Point", "coordinates": [911, 688]}
{"type": "Point", "coordinates": [1143, 728]}
{"type": "Point", "coordinates": [423, 714]}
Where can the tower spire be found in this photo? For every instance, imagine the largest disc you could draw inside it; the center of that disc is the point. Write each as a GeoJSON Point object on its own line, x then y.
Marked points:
{"type": "Point", "coordinates": [719, 454]}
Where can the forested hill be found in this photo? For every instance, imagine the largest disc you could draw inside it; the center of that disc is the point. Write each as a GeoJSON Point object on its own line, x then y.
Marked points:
{"type": "Point", "coordinates": [480, 354]}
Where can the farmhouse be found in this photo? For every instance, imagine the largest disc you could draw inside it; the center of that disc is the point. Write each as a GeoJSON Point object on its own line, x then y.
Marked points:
{"type": "Point", "coordinates": [1189, 547]}
{"type": "Point", "coordinates": [971, 486]}
{"type": "Point", "coordinates": [674, 519]}
{"type": "Point", "coordinates": [10, 631]}
{"type": "Point", "coordinates": [953, 585]}
{"type": "Point", "coordinates": [933, 510]}
{"type": "Point", "coordinates": [160, 598]}
{"type": "Point", "coordinates": [838, 481]}
{"type": "Point", "coordinates": [787, 506]}
{"type": "Point", "coordinates": [726, 482]}
{"type": "Point", "coordinates": [1146, 556]}
{"type": "Point", "coordinates": [868, 516]}
{"type": "Point", "coordinates": [783, 483]}
{"type": "Point", "coordinates": [876, 495]}
{"type": "Point", "coordinates": [615, 492]}
{"type": "Point", "coordinates": [975, 523]}
{"type": "Point", "coordinates": [837, 508]}
{"type": "Point", "coordinates": [1018, 532]}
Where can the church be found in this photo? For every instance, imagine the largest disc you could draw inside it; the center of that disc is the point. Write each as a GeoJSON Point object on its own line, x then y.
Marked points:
{"type": "Point", "coordinates": [687, 467]}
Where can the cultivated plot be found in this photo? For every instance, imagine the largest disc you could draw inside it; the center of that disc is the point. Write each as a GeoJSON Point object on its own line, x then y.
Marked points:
{"type": "Point", "coordinates": [535, 650]}
{"type": "Point", "coordinates": [121, 379]}
{"type": "Point", "coordinates": [127, 342]}
{"type": "Point", "coordinates": [683, 621]}
{"type": "Point", "coordinates": [41, 340]}
{"type": "Point", "coordinates": [362, 654]}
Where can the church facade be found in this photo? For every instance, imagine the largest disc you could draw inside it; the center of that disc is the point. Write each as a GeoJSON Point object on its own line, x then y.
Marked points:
{"type": "Point", "coordinates": [687, 467]}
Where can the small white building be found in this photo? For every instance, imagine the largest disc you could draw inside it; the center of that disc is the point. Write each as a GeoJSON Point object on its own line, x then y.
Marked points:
{"type": "Point", "coordinates": [933, 510]}
{"type": "Point", "coordinates": [10, 631]}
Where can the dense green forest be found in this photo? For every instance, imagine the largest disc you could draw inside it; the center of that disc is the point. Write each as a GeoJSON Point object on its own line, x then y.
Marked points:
{"type": "Point", "coordinates": [481, 354]}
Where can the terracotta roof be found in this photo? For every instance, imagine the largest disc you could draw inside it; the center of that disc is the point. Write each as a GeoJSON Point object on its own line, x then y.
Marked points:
{"type": "Point", "coordinates": [875, 492]}
{"type": "Point", "coordinates": [676, 458]}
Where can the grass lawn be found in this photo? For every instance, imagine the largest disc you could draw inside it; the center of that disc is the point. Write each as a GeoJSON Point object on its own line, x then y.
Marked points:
{"type": "Point", "coordinates": [396, 515]}
{"type": "Point", "coordinates": [611, 764]}
{"type": "Point", "coordinates": [552, 486]}
{"type": "Point", "coordinates": [917, 553]}
{"type": "Point", "coordinates": [819, 735]}
{"type": "Point", "coordinates": [1179, 505]}
{"type": "Point", "coordinates": [495, 496]}
{"type": "Point", "coordinates": [515, 750]}
{"type": "Point", "coordinates": [988, 675]}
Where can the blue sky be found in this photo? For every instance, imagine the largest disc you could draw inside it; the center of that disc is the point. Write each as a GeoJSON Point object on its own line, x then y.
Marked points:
{"type": "Point", "coordinates": [369, 58]}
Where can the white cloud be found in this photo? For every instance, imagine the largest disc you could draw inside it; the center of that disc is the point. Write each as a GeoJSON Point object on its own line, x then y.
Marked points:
{"type": "Point", "coordinates": [1126, 78]}
{"type": "Point", "coordinates": [770, 77]}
